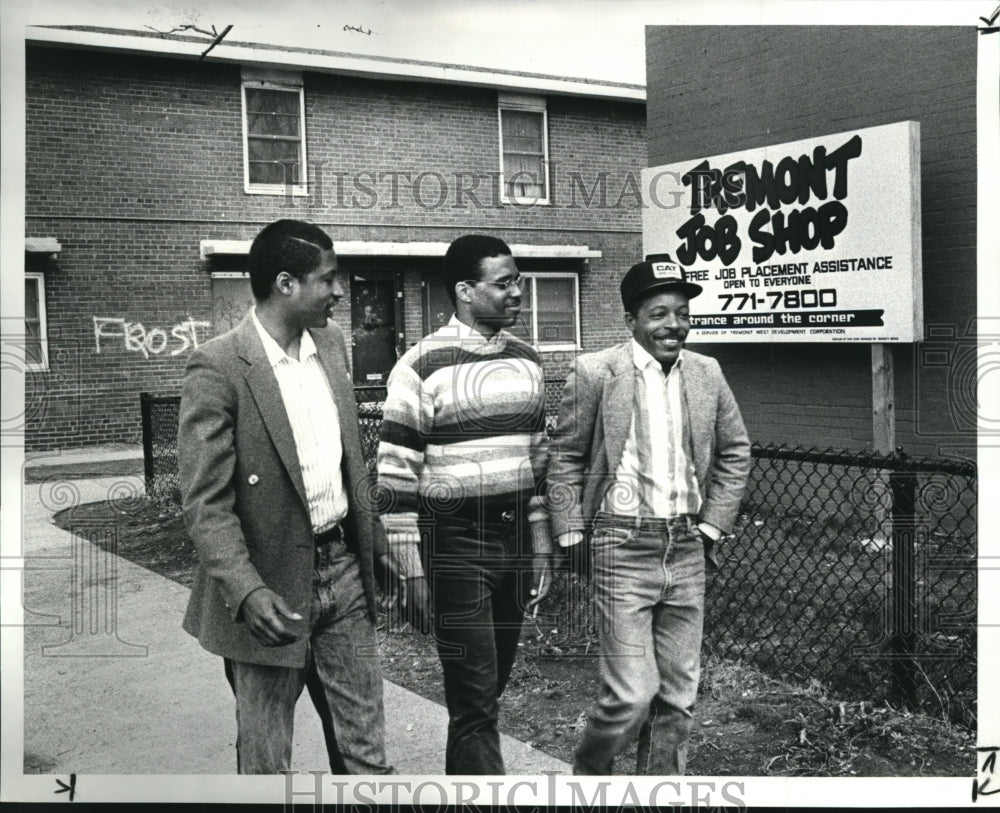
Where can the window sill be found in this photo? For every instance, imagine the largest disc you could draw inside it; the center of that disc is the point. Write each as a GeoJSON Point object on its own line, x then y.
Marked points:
{"type": "Point", "coordinates": [555, 348]}
{"type": "Point", "coordinates": [525, 203]}
{"type": "Point", "coordinates": [277, 189]}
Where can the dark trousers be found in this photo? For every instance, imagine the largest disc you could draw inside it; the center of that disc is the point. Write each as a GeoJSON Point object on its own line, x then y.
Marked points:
{"type": "Point", "coordinates": [479, 580]}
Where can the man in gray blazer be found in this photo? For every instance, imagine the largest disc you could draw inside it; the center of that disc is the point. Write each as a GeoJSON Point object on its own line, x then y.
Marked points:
{"type": "Point", "coordinates": [273, 485]}
{"type": "Point", "coordinates": [650, 456]}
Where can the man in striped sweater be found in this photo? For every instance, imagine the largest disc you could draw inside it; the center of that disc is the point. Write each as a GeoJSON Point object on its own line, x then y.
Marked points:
{"type": "Point", "coordinates": [460, 464]}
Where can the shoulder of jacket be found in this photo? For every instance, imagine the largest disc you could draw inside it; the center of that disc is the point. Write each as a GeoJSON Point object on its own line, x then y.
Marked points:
{"type": "Point", "coordinates": [218, 347]}
{"type": "Point", "coordinates": [700, 360]}
{"type": "Point", "coordinates": [600, 359]}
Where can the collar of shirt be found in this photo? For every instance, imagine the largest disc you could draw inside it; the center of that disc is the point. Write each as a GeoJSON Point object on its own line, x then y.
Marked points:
{"type": "Point", "coordinates": [275, 355]}
{"type": "Point", "coordinates": [462, 331]}
{"type": "Point", "coordinates": [642, 358]}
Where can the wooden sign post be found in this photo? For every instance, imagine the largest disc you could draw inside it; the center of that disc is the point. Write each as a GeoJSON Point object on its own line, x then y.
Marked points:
{"type": "Point", "coordinates": [883, 428]}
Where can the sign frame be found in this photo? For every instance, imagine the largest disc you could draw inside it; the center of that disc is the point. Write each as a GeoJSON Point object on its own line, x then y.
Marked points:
{"type": "Point", "coordinates": [816, 240]}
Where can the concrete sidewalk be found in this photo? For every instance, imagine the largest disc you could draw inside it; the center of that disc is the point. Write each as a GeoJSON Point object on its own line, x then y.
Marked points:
{"type": "Point", "coordinates": [91, 461]}
{"type": "Point", "coordinates": [114, 686]}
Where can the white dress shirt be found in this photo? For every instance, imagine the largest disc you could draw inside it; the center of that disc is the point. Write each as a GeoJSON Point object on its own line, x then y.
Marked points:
{"type": "Point", "coordinates": [659, 480]}
{"type": "Point", "coordinates": [315, 424]}
{"type": "Point", "coordinates": [669, 487]}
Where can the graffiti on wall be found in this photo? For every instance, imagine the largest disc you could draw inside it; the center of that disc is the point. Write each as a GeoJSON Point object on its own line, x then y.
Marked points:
{"type": "Point", "coordinates": [134, 337]}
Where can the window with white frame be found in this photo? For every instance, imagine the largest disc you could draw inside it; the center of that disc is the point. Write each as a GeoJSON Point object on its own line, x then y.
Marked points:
{"type": "Point", "coordinates": [550, 310]}
{"type": "Point", "coordinates": [274, 143]}
{"type": "Point", "coordinates": [36, 343]}
{"type": "Point", "coordinates": [524, 148]}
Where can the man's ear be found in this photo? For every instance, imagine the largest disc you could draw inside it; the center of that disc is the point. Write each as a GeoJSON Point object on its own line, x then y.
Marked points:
{"type": "Point", "coordinates": [630, 321]}
{"type": "Point", "coordinates": [462, 292]}
{"type": "Point", "coordinates": [283, 283]}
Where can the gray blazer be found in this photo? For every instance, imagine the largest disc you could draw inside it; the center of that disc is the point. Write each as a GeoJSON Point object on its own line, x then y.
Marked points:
{"type": "Point", "coordinates": [593, 425]}
{"type": "Point", "coordinates": [244, 499]}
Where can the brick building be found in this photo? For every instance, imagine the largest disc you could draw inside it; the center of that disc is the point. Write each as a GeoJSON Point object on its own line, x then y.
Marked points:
{"type": "Point", "coordinates": [722, 89]}
{"type": "Point", "coordinates": [148, 172]}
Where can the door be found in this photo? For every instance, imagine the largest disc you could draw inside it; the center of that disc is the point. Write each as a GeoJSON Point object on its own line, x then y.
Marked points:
{"type": "Point", "coordinates": [374, 312]}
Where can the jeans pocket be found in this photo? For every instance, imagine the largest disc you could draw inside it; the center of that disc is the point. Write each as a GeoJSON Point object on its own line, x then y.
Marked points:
{"type": "Point", "coordinates": [607, 538]}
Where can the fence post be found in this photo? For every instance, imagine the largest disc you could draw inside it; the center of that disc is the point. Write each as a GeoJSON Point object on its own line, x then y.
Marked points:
{"type": "Point", "coordinates": [903, 486]}
{"type": "Point", "coordinates": [146, 411]}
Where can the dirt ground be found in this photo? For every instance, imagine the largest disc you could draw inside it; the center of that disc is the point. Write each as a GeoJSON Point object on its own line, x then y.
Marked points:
{"type": "Point", "coordinates": [747, 724]}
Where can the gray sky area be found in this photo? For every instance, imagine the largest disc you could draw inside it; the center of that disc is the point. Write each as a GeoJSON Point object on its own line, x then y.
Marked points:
{"type": "Point", "coordinates": [595, 39]}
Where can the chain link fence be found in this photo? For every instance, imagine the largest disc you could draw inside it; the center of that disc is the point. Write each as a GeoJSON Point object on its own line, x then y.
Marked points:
{"type": "Point", "coordinates": [160, 414]}
{"type": "Point", "coordinates": [855, 570]}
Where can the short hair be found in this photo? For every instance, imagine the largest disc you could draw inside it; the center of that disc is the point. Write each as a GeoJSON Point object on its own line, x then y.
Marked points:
{"type": "Point", "coordinates": [461, 261]}
{"type": "Point", "coordinates": [293, 246]}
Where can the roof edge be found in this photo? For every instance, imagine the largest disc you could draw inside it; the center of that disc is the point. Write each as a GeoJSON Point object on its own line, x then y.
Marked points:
{"type": "Point", "coordinates": [186, 47]}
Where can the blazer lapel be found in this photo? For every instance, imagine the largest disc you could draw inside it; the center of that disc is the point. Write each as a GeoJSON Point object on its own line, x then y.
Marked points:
{"type": "Point", "coordinates": [617, 404]}
{"type": "Point", "coordinates": [267, 395]}
{"type": "Point", "coordinates": [342, 387]}
{"type": "Point", "coordinates": [694, 387]}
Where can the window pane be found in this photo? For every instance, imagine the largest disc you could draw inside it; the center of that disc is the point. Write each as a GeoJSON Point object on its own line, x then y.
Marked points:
{"type": "Point", "coordinates": [32, 324]}
{"type": "Point", "coordinates": [524, 176]}
{"type": "Point", "coordinates": [556, 310]}
{"type": "Point", "coordinates": [523, 154]}
{"type": "Point", "coordinates": [522, 132]}
{"type": "Point", "coordinates": [31, 299]}
{"type": "Point", "coordinates": [275, 162]}
{"type": "Point", "coordinates": [273, 112]}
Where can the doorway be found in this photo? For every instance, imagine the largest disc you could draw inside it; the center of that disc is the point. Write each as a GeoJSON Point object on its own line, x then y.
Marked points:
{"type": "Point", "coordinates": [376, 311]}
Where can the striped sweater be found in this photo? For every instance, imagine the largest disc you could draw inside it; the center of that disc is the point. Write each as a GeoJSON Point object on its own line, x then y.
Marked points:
{"type": "Point", "coordinates": [464, 420]}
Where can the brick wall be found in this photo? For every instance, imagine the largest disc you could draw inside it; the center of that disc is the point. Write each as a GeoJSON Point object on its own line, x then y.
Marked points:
{"type": "Point", "coordinates": [715, 90]}
{"type": "Point", "coordinates": [132, 161]}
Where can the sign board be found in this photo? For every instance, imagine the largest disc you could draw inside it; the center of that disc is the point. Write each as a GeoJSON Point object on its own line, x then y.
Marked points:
{"type": "Point", "coordinates": [809, 241]}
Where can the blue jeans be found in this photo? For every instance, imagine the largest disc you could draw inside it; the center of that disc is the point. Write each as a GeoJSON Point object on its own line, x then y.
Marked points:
{"type": "Point", "coordinates": [479, 583]}
{"type": "Point", "coordinates": [649, 591]}
{"type": "Point", "coordinates": [343, 675]}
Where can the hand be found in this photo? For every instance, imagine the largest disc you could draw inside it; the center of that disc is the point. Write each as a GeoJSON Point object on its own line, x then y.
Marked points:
{"type": "Point", "coordinates": [541, 564]}
{"type": "Point", "coordinates": [417, 603]}
{"type": "Point", "coordinates": [710, 560]}
{"type": "Point", "coordinates": [387, 568]}
{"type": "Point", "coordinates": [570, 539]}
{"type": "Point", "coordinates": [262, 612]}
{"type": "Point", "coordinates": [576, 559]}
{"type": "Point", "coordinates": [388, 579]}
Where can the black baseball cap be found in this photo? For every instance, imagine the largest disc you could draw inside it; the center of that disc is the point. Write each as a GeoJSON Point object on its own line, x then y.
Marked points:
{"type": "Point", "coordinates": [657, 272]}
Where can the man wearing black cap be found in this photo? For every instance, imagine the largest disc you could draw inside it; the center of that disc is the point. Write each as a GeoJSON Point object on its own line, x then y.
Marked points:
{"type": "Point", "coordinates": [649, 455]}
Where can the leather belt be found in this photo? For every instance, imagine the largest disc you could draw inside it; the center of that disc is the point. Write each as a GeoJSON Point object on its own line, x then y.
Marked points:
{"type": "Point", "coordinates": [506, 513]}
{"type": "Point", "coordinates": [686, 522]}
{"type": "Point", "coordinates": [332, 534]}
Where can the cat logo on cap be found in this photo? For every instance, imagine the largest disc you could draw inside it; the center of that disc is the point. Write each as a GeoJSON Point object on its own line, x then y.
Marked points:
{"type": "Point", "coordinates": [665, 270]}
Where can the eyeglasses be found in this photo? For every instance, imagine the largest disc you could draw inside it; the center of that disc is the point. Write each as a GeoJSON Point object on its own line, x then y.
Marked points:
{"type": "Point", "coordinates": [507, 285]}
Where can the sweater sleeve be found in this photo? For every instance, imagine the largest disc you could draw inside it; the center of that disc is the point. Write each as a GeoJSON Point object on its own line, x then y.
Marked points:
{"type": "Point", "coordinates": [407, 414]}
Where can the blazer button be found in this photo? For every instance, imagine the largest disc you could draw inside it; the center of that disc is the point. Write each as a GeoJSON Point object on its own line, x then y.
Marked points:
{"type": "Point", "coordinates": [253, 479]}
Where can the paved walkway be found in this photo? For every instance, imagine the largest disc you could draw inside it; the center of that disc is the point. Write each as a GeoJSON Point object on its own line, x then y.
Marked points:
{"type": "Point", "coordinates": [114, 686]}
